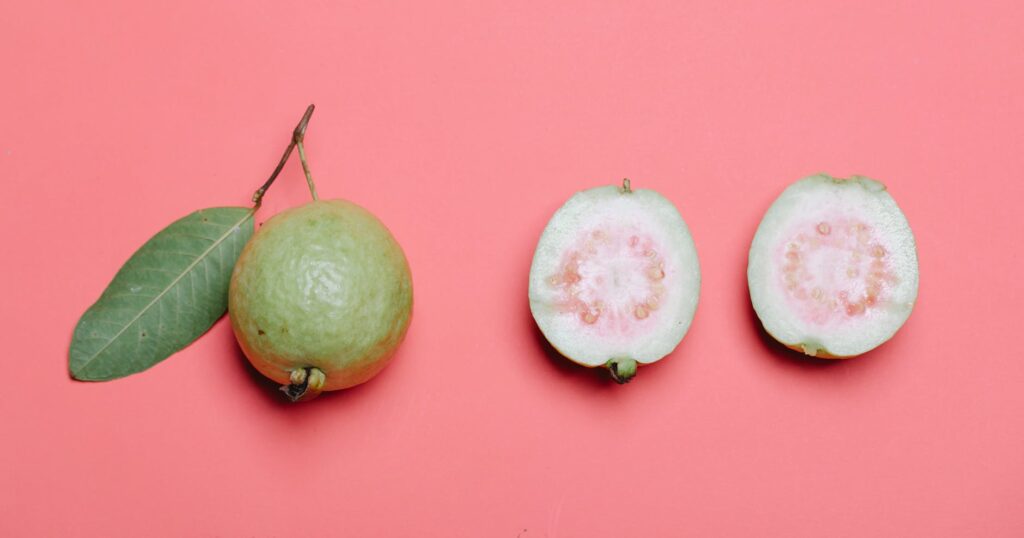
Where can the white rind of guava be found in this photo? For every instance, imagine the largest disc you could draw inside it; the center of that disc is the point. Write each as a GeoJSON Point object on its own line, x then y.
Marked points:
{"type": "Point", "coordinates": [630, 219]}
{"type": "Point", "coordinates": [824, 205]}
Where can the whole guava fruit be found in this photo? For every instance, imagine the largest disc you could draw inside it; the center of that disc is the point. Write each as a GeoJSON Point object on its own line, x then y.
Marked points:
{"type": "Point", "coordinates": [321, 297]}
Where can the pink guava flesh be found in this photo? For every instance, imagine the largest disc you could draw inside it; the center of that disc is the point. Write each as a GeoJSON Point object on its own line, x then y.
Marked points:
{"type": "Point", "coordinates": [612, 280]}
{"type": "Point", "coordinates": [833, 270]}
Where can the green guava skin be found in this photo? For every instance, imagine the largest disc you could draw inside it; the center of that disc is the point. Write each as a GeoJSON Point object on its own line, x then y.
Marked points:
{"type": "Point", "coordinates": [323, 285]}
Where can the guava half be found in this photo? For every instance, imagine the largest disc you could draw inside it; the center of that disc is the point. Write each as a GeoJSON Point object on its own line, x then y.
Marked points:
{"type": "Point", "coordinates": [833, 268]}
{"type": "Point", "coordinates": [320, 297]}
{"type": "Point", "coordinates": [615, 279]}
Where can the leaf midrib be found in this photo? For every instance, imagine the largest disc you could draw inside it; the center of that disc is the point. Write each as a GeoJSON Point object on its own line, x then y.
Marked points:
{"type": "Point", "coordinates": [164, 291]}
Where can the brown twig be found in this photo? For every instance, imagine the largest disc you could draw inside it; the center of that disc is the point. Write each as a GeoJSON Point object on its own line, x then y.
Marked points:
{"type": "Point", "coordinates": [297, 135]}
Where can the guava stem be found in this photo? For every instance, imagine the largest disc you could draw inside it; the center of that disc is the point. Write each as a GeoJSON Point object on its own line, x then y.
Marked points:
{"type": "Point", "coordinates": [622, 370]}
{"type": "Point", "coordinates": [297, 136]}
{"type": "Point", "coordinates": [305, 168]}
{"type": "Point", "coordinates": [625, 185]}
{"type": "Point", "coordinates": [305, 384]}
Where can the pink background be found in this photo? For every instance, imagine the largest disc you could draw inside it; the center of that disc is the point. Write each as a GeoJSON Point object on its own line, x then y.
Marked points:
{"type": "Point", "coordinates": [464, 126]}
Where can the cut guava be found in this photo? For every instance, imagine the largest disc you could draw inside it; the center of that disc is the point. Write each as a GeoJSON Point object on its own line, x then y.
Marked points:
{"type": "Point", "coordinates": [833, 268]}
{"type": "Point", "coordinates": [615, 279]}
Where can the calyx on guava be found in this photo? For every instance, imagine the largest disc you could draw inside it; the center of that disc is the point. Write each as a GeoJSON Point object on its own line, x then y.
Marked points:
{"type": "Point", "coordinates": [615, 279]}
{"type": "Point", "coordinates": [833, 267]}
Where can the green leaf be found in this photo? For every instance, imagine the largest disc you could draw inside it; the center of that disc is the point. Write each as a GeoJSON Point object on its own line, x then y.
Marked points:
{"type": "Point", "coordinates": [164, 297]}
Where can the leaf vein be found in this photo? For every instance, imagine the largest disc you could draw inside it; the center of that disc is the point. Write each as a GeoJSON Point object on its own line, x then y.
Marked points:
{"type": "Point", "coordinates": [226, 235]}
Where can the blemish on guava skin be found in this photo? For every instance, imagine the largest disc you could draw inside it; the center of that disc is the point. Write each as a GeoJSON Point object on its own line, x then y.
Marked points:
{"type": "Point", "coordinates": [834, 276]}
{"type": "Point", "coordinates": [260, 332]}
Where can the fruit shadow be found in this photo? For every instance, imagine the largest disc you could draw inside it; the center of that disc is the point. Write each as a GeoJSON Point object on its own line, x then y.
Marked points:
{"type": "Point", "coordinates": [784, 356]}
{"type": "Point", "coordinates": [270, 391]}
{"type": "Point", "coordinates": [597, 378]}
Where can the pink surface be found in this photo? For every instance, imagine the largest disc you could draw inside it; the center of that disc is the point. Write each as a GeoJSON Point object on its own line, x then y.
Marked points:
{"type": "Point", "coordinates": [464, 126]}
